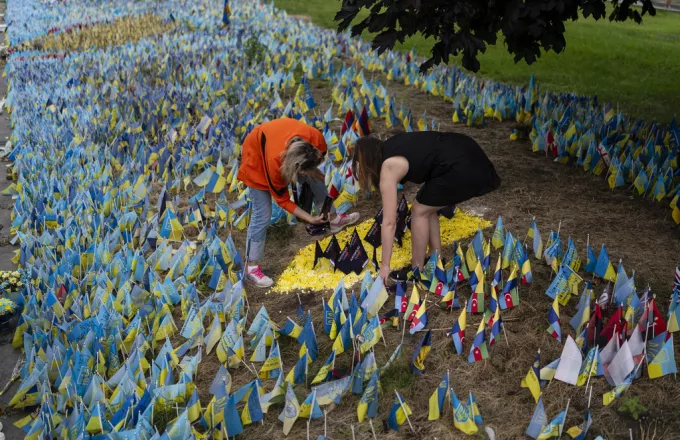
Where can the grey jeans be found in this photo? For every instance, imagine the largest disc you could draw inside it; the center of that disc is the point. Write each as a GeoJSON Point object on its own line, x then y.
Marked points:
{"type": "Point", "coordinates": [261, 214]}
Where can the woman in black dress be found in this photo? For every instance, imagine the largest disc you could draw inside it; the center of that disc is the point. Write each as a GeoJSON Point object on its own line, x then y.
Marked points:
{"type": "Point", "coordinates": [451, 167]}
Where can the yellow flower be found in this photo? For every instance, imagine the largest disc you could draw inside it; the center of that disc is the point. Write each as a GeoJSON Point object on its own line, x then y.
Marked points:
{"type": "Point", "coordinates": [12, 280]}
{"type": "Point", "coordinates": [5, 274]}
{"type": "Point", "coordinates": [300, 275]}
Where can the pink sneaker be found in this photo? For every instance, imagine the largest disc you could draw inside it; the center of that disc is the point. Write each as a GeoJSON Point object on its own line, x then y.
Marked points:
{"type": "Point", "coordinates": [255, 275]}
{"type": "Point", "coordinates": [341, 221]}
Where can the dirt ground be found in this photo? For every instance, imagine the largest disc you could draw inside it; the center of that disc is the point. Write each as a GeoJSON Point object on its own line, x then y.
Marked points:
{"type": "Point", "coordinates": [635, 230]}
{"type": "Point", "coordinates": [638, 231]}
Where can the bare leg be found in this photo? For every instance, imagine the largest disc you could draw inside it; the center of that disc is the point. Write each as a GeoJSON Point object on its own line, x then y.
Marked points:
{"type": "Point", "coordinates": [435, 244]}
{"type": "Point", "coordinates": [420, 231]}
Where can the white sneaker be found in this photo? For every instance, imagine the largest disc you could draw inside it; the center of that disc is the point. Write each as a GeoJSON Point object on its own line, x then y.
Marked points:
{"type": "Point", "coordinates": [341, 221]}
{"type": "Point", "coordinates": [255, 275]}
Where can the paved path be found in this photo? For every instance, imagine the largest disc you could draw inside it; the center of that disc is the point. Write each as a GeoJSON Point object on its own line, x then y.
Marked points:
{"type": "Point", "coordinates": [8, 355]}
{"type": "Point", "coordinates": [661, 6]}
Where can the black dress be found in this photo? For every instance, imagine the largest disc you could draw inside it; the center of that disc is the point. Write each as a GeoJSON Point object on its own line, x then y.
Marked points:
{"type": "Point", "coordinates": [451, 166]}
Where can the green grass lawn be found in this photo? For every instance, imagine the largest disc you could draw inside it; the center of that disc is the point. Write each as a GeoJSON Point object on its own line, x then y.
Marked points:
{"type": "Point", "coordinates": [636, 67]}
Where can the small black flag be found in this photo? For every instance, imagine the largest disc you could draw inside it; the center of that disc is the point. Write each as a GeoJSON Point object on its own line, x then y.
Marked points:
{"type": "Point", "coordinates": [332, 251]}
{"type": "Point", "coordinates": [402, 224]}
{"type": "Point", "coordinates": [318, 254]}
{"type": "Point", "coordinates": [373, 235]}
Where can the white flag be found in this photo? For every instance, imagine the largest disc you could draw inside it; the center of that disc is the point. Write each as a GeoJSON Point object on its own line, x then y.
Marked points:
{"type": "Point", "coordinates": [621, 366]}
{"type": "Point", "coordinates": [570, 362]}
{"type": "Point", "coordinates": [609, 351]}
{"type": "Point", "coordinates": [636, 343]}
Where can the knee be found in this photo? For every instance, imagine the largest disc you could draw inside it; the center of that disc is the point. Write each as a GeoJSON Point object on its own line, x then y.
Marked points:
{"type": "Point", "coordinates": [419, 210]}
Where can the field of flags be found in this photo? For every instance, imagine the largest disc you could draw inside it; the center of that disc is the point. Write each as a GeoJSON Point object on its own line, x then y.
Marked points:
{"type": "Point", "coordinates": [126, 204]}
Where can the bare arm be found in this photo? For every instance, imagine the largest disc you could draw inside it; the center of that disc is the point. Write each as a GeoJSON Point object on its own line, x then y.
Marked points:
{"type": "Point", "coordinates": [392, 171]}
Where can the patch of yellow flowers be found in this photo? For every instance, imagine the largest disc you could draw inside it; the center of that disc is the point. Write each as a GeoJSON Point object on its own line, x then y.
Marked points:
{"type": "Point", "coordinates": [11, 280]}
{"type": "Point", "coordinates": [94, 36]}
{"type": "Point", "coordinates": [299, 275]}
{"type": "Point", "coordinates": [6, 306]}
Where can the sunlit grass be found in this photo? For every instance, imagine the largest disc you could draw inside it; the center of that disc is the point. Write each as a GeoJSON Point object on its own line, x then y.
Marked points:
{"type": "Point", "coordinates": [633, 66]}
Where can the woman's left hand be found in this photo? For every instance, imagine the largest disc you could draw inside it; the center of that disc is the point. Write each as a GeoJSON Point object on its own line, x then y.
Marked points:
{"type": "Point", "coordinates": [384, 272]}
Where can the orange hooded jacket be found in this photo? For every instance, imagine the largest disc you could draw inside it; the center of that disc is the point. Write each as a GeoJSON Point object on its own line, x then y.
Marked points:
{"type": "Point", "coordinates": [261, 156]}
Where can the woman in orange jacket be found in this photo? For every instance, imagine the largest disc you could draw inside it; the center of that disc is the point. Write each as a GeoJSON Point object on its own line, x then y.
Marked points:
{"type": "Point", "coordinates": [275, 155]}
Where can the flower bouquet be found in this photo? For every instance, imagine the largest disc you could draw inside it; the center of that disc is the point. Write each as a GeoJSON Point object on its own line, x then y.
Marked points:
{"type": "Point", "coordinates": [8, 309]}
{"type": "Point", "coordinates": [12, 283]}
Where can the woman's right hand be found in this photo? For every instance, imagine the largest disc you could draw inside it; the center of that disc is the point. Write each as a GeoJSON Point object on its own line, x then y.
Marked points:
{"type": "Point", "coordinates": [317, 220]}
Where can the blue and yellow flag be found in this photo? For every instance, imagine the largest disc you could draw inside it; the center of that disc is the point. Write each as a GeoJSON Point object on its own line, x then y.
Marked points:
{"type": "Point", "coordinates": [308, 340]}
{"type": "Point", "coordinates": [194, 407]}
{"type": "Point", "coordinates": [399, 413]}
{"type": "Point", "coordinates": [535, 235]}
{"type": "Point", "coordinates": [438, 398]}
{"type": "Point", "coordinates": [298, 374]}
{"type": "Point", "coordinates": [474, 409]}
{"type": "Point", "coordinates": [232, 421]}
{"type": "Point", "coordinates": [368, 405]}
{"type": "Point", "coordinates": [603, 267]}
{"type": "Point", "coordinates": [371, 334]}
{"type": "Point", "coordinates": [664, 361]}
{"type": "Point", "coordinates": [531, 379]}
{"type": "Point", "coordinates": [462, 418]}
{"type": "Point", "coordinates": [478, 350]}
{"type": "Point", "coordinates": [252, 411]}
{"type": "Point", "coordinates": [344, 339]}
{"type": "Point", "coordinates": [325, 372]}
{"type": "Point", "coordinates": [554, 428]}
{"type": "Point", "coordinates": [226, 13]}
{"type": "Point", "coordinates": [538, 420]}
{"type": "Point", "coordinates": [555, 327]}
{"type": "Point", "coordinates": [271, 369]}
{"type": "Point", "coordinates": [579, 432]}
{"type": "Point", "coordinates": [423, 349]}
{"type": "Point", "coordinates": [310, 407]}
{"type": "Point", "coordinates": [498, 234]}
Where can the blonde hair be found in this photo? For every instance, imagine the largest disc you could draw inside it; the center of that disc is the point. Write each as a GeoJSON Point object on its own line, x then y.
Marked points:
{"type": "Point", "coordinates": [298, 157]}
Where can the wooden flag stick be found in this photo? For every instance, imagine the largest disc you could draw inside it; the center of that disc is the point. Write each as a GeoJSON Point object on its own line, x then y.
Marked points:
{"type": "Point", "coordinates": [590, 373]}
{"type": "Point", "coordinates": [352, 428]}
{"type": "Point", "coordinates": [370, 423]}
{"type": "Point", "coordinates": [566, 411]}
{"type": "Point", "coordinates": [403, 408]}
{"type": "Point", "coordinates": [433, 329]}
{"type": "Point", "coordinates": [403, 332]}
{"type": "Point", "coordinates": [325, 420]}
{"type": "Point", "coordinates": [308, 429]}
{"type": "Point", "coordinates": [652, 320]}
{"type": "Point", "coordinates": [630, 433]}
{"type": "Point", "coordinates": [453, 410]}
{"type": "Point", "coordinates": [254, 370]}
{"type": "Point", "coordinates": [505, 334]}
{"type": "Point", "coordinates": [354, 347]}
{"type": "Point", "coordinates": [590, 396]}
{"type": "Point", "coordinates": [526, 236]}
